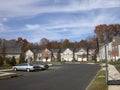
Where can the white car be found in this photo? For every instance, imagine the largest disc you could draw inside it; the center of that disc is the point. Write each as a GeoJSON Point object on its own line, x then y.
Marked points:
{"type": "Point", "coordinates": [26, 67]}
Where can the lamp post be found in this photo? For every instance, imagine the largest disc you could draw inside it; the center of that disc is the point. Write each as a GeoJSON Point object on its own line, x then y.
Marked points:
{"type": "Point", "coordinates": [106, 62]}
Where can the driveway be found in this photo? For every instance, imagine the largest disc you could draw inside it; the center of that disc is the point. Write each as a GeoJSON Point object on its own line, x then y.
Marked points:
{"type": "Point", "coordinates": [59, 77]}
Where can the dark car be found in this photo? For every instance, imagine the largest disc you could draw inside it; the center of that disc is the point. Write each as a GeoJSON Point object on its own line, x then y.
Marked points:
{"type": "Point", "coordinates": [43, 65]}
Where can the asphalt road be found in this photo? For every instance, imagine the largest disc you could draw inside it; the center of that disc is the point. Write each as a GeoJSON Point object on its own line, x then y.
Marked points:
{"type": "Point", "coordinates": [60, 77]}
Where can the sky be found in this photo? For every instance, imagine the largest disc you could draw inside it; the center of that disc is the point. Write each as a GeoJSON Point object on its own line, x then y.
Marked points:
{"type": "Point", "coordinates": [55, 19]}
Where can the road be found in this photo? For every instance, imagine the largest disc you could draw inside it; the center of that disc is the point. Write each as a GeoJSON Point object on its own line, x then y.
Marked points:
{"type": "Point", "coordinates": [59, 77]}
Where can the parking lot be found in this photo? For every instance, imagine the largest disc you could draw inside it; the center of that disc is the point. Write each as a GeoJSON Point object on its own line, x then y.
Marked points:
{"type": "Point", "coordinates": [58, 77]}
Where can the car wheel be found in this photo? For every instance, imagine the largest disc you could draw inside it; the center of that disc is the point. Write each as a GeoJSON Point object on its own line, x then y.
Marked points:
{"type": "Point", "coordinates": [15, 69]}
{"type": "Point", "coordinates": [28, 70]}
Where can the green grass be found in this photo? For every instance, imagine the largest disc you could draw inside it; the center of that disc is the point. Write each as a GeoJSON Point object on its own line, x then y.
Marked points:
{"type": "Point", "coordinates": [99, 82]}
{"type": "Point", "coordinates": [5, 67]}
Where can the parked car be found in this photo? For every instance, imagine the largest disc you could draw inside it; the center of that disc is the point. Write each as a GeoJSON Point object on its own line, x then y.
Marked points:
{"type": "Point", "coordinates": [43, 65]}
{"type": "Point", "coordinates": [26, 67]}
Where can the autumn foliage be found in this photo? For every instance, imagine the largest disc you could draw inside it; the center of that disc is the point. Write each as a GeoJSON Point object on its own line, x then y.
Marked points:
{"type": "Point", "coordinates": [102, 32]}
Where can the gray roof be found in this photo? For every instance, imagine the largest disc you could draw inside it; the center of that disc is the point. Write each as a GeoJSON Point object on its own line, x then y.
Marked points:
{"type": "Point", "coordinates": [55, 50]}
{"type": "Point", "coordinates": [78, 49]}
{"type": "Point", "coordinates": [36, 50]}
{"type": "Point", "coordinates": [117, 39]}
{"type": "Point", "coordinates": [72, 49]}
{"type": "Point", "coordinates": [11, 47]}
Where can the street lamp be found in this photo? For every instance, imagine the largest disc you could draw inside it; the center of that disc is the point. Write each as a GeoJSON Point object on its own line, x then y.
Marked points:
{"type": "Point", "coordinates": [106, 61]}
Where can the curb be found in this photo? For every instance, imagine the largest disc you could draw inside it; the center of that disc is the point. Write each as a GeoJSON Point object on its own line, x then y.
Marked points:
{"type": "Point", "coordinates": [92, 80]}
{"type": "Point", "coordinates": [10, 76]}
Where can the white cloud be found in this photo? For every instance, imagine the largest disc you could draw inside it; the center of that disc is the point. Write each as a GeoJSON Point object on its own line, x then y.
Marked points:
{"type": "Point", "coordinates": [2, 28]}
{"type": "Point", "coordinates": [61, 27]}
{"type": "Point", "coordinates": [18, 8]}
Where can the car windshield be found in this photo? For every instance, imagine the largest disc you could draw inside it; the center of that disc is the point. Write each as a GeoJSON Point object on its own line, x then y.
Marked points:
{"type": "Point", "coordinates": [23, 64]}
{"type": "Point", "coordinates": [31, 64]}
{"type": "Point", "coordinates": [39, 63]}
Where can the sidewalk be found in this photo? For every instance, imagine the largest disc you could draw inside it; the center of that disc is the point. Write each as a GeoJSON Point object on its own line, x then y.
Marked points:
{"type": "Point", "coordinates": [113, 74]}
{"type": "Point", "coordinates": [4, 72]}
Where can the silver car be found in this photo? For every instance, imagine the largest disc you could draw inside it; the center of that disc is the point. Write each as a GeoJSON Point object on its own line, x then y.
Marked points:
{"type": "Point", "coordinates": [26, 67]}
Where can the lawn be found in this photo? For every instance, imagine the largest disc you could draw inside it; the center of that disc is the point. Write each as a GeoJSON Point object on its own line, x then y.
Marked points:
{"type": "Point", "coordinates": [99, 82]}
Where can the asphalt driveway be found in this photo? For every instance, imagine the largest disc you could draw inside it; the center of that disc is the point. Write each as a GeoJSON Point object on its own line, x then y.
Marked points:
{"type": "Point", "coordinates": [59, 77]}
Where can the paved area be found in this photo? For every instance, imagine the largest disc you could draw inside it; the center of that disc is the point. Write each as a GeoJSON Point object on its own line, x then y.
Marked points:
{"type": "Point", "coordinates": [6, 72]}
{"type": "Point", "coordinates": [59, 77]}
{"type": "Point", "coordinates": [113, 74]}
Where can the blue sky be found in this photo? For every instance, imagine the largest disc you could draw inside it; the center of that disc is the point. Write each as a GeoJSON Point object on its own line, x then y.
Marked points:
{"type": "Point", "coordinates": [55, 19]}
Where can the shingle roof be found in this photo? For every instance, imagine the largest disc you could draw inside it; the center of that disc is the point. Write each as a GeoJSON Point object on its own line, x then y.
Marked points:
{"type": "Point", "coordinates": [11, 47]}
{"type": "Point", "coordinates": [55, 50]}
{"type": "Point", "coordinates": [117, 39]}
{"type": "Point", "coordinates": [72, 49]}
{"type": "Point", "coordinates": [78, 49]}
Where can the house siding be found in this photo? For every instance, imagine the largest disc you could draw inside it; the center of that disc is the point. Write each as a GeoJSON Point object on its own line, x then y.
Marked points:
{"type": "Point", "coordinates": [67, 55]}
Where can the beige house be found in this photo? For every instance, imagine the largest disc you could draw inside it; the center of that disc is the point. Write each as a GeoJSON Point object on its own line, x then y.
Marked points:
{"type": "Point", "coordinates": [67, 54]}
{"type": "Point", "coordinates": [29, 56]}
{"type": "Point", "coordinates": [81, 54]}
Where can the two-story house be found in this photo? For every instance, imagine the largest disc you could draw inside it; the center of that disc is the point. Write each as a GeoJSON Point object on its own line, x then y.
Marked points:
{"type": "Point", "coordinates": [80, 54]}
{"type": "Point", "coordinates": [67, 54]}
{"type": "Point", "coordinates": [112, 51]}
{"type": "Point", "coordinates": [115, 48]}
{"type": "Point", "coordinates": [55, 54]}
{"type": "Point", "coordinates": [10, 48]}
{"type": "Point", "coordinates": [46, 55]}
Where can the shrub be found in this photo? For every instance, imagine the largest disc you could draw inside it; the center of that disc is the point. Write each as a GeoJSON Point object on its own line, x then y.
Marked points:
{"type": "Point", "coordinates": [8, 61]}
{"type": "Point", "coordinates": [21, 59]}
{"type": "Point", "coordinates": [13, 61]}
{"type": "Point", "coordinates": [1, 61]}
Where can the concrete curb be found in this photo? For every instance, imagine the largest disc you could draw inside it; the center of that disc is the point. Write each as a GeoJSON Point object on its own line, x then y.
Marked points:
{"type": "Point", "coordinates": [10, 76]}
{"type": "Point", "coordinates": [92, 80]}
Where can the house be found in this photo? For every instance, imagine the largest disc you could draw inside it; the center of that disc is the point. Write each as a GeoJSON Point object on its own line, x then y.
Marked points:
{"type": "Point", "coordinates": [92, 53]}
{"type": "Point", "coordinates": [115, 48]}
{"type": "Point", "coordinates": [67, 54]}
{"type": "Point", "coordinates": [46, 55]}
{"type": "Point", "coordinates": [55, 54]}
{"type": "Point", "coordinates": [29, 56]}
{"type": "Point", "coordinates": [80, 54]}
{"type": "Point", "coordinates": [112, 50]}
{"type": "Point", "coordinates": [10, 48]}
{"type": "Point", "coordinates": [33, 55]}
{"type": "Point", "coordinates": [38, 55]}
{"type": "Point", "coordinates": [105, 52]}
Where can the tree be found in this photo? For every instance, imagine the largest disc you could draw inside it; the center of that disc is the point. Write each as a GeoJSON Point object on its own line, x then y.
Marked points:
{"type": "Point", "coordinates": [8, 61]}
{"type": "Point", "coordinates": [44, 42]}
{"type": "Point", "coordinates": [13, 61]}
{"type": "Point", "coordinates": [1, 61]}
{"type": "Point", "coordinates": [107, 30]}
{"type": "Point", "coordinates": [21, 58]}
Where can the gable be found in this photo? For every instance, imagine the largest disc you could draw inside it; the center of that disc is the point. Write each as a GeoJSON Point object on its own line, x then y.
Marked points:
{"type": "Point", "coordinates": [29, 52]}
{"type": "Point", "coordinates": [46, 51]}
{"type": "Point", "coordinates": [68, 51]}
{"type": "Point", "coordinates": [81, 51]}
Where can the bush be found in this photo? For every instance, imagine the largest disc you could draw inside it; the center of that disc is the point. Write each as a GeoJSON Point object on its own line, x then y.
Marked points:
{"type": "Point", "coordinates": [13, 61]}
{"type": "Point", "coordinates": [1, 61]}
{"type": "Point", "coordinates": [21, 59]}
{"type": "Point", "coordinates": [8, 61]}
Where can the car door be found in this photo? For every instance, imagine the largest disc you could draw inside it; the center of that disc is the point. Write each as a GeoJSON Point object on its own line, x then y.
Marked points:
{"type": "Point", "coordinates": [23, 66]}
